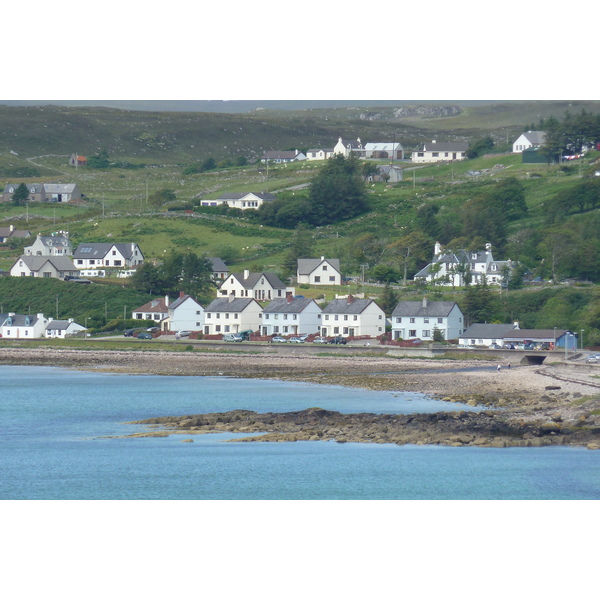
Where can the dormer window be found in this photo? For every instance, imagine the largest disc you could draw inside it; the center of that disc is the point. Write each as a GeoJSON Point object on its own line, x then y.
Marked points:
{"type": "Point", "coordinates": [474, 256]}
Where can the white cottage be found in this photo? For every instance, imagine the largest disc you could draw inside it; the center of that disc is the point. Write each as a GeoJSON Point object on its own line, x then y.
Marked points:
{"type": "Point", "coordinates": [232, 315]}
{"type": "Point", "coordinates": [61, 328]}
{"type": "Point", "coordinates": [528, 140]}
{"type": "Point", "coordinates": [57, 267]}
{"type": "Point", "coordinates": [418, 320]}
{"type": "Point", "coordinates": [121, 255]}
{"type": "Point", "coordinates": [243, 201]}
{"type": "Point", "coordinates": [319, 271]}
{"type": "Point", "coordinates": [435, 151]}
{"type": "Point", "coordinates": [261, 286]}
{"type": "Point", "coordinates": [291, 316]}
{"type": "Point", "coordinates": [353, 317]}
{"type": "Point", "coordinates": [22, 327]}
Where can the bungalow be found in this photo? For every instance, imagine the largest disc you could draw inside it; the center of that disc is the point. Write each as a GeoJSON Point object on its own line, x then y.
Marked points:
{"type": "Point", "coordinates": [155, 310]}
{"type": "Point", "coordinates": [10, 233]}
{"type": "Point", "coordinates": [319, 271]}
{"type": "Point", "coordinates": [219, 268]}
{"type": "Point", "coordinates": [392, 150]}
{"type": "Point", "coordinates": [486, 334]}
{"type": "Point", "coordinates": [94, 255]}
{"type": "Point", "coordinates": [46, 192]}
{"type": "Point", "coordinates": [319, 153]}
{"type": "Point", "coordinates": [435, 151]}
{"type": "Point", "coordinates": [57, 267]}
{"type": "Point", "coordinates": [528, 140]}
{"type": "Point", "coordinates": [354, 317]}
{"type": "Point", "coordinates": [261, 286]}
{"type": "Point", "coordinates": [17, 326]}
{"type": "Point", "coordinates": [243, 201]}
{"type": "Point", "coordinates": [57, 244]}
{"type": "Point", "coordinates": [282, 156]}
{"type": "Point", "coordinates": [232, 315]}
{"type": "Point", "coordinates": [77, 161]}
{"type": "Point", "coordinates": [463, 267]}
{"type": "Point", "coordinates": [291, 316]}
{"type": "Point", "coordinates": [185, 314]}
{"type": "Point", "coordinates": [418, 320]}
{"type": "Point", "coordinates": [60, 328]}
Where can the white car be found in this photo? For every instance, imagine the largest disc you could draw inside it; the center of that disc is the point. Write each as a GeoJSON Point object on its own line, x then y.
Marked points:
{"type": "Point", "coordinates": [296, 340]}
{"type": "Point", "coordinates": [278, 339]}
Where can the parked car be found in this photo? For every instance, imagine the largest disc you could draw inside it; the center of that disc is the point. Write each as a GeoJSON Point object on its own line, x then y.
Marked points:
{"type": "Point", "coordinates": [233, 337]}
{"type": "Point", "coordinates": [144, 336]}
{"type": "Point", "coordinates": [76, 279]}
{"type": "Point", "coordinates": [593, 359]}
{"type": "Point", "coordinates": [303, 336]}
{"type": "Point", "coordinates": [338, 339]}
{"type": "Point", "coordinates": [153, 329]}
{"type": "Point", "coordinates": [496, 347]}
{"type": "Point", "coordinates": [278, 339]}
{"type": "Point", "coordinates": [128, 333]}
{"type": "Point", "coordinates": [295, 340]}
{"type": "Point", "coordinates": [320, 340]}
{"type": "Point", "coordinates": [184, 333]}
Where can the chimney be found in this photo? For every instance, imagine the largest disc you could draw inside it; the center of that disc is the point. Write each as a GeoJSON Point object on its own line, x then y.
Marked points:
{"type": "Point", "coordinates": [516, 325]}
{"type": "Point", "coordinates": [246, 273]}
{"type": "Point", "coordinates": [424, 302]}
{"type": "Point", "coordinates": [181, 294]}
{"type": "Point", "coordinates": [289, 298]}
{"type": "Point", "coordinates": [166, 300]}
{"type": "Point", "coordinates": [437, 249]}
{"type": "Point", "coordinates": [322, 258]}
{"type": "Point", "coordinates": [350, 298]}
{"type": "Point", "coordinates": [231, 297]}
{"type": "Point", "coordinates": [433, 141]}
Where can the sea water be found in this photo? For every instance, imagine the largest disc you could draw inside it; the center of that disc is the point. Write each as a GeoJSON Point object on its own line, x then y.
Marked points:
{"type": "Point", "coordinates": [56, 427]}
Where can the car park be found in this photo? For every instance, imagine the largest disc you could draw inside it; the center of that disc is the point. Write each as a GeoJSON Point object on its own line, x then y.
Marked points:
{"type": "Point", "coordinates": [277, 339]}
{"type": "Point", "coordinates": [233, 337]}
{"type": "Point", "coordinates": [144, 336]}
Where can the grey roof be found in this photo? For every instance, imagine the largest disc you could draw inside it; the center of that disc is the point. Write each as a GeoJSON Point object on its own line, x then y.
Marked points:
{"type": "Point", "coordinates": [348, 306]}
{"type": "Point", "coordinates": [537, 138]}
{"type": "Point", "coordinates": [19, 320]}
{"type": "Point", "coordinates": [6, 232]}
{"type": "Point", "coordinates": [100, 250]}
{"type": "Point", "coordinates": [37, 187]}
{"type": "Point", "coordinates": [180, 301]}
{"type": "Point", "coordinates": [415, 308]}
{"type": "Point", "coordinates": [218, 264]}
{"type": "Point", "coordinates": [60, 263]}
{"type": "Point", "coordinates": [445, 146]}
{"type": "Point", "coordinates": [58, 324]}
{"type": "Point", "coordinates": [386, 146]}
{"type": "Point", "coordinates": [487, 330]}
{"type": "Point", "coordinates": [283, 305]}
{"type": "Point", "coordinates": [53, 241]}
{"type": "Point", "coordinates": [534, 334]}
{"type": "Point", "coordinates": [253, 279]}
{"type": "Point", "coordinates": [238, 195]}
{"type": "Point", "coordinates": [229, 304]}
{"type": "Point", "coordinates": [308, 265]}
{"type": "Point", "coordinates": [59, 188]}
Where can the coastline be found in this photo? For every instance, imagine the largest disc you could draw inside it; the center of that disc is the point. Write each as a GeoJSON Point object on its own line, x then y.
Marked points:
{"type": "Point", "coordinates": [538, 406]}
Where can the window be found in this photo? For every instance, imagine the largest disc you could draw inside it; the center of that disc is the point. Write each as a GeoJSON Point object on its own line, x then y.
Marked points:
{"type": "Point", "coordinates": [398, 319]}
{"type": "Point", "coordinates": [208, 315]}
{"type": "Point", "coordinates": [425, 333]}
{"type": "Point", "coordinates": [345, 317]}
{"type": "Point", "coordinates": [356, 317]}
{"type": "Point", "coordinates": [435, 154]}
{"type": "Point", "coordinates": [324, 267]}
{"type": "Point", "coordinates": [440, 320]}
{"type": "Point", "coordinates": [285, 317]}
{"type": "Point", "coordinates": [345, 331]}
{"type": "Point", "coordinates": [267, 316]}
{"type": "Point", "coordinates": [218, 328]}
{"type": "Point", "coordinates": [412, 333]}
{"type": "Point", "coordinates": [317, 279]}
{"type": "Point", "coordinates": [425, 320]}
{"type": "Point", "coordinates": [332, 278]}
{"type": "Point", "coordinates": [335, 318]}
{"type": "Point", "coordinates": [218, 315]}
{"type": "Point", "coordinates": [336, 330]}
{"type": "Point", "coordinates": [380, 317]}
{"type": "Point", "coordinates": [295, 317]}
{"type": "Point", "coordinates": [327, 317]}
{"type": "Point", "coordinates": [412, 319]}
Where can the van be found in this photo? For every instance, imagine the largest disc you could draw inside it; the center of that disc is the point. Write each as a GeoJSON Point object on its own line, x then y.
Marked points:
{"type": "Point", "coordinates": [232, 337]}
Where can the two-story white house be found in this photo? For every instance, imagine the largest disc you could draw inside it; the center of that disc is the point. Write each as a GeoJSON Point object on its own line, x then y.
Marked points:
{"type": "Point", "coordinates": [528, 139]}
{"type": "Point", "coordinates": [347, 149]}
{"type": "Point", "coordinates": [260, 286]}
{"type": "Point", "coordinates": [353, 317]}
{"type": "Point", "coordinates": [232, 315]}
{"type": "Point", "coordinates": [57, 244]}
{"type": "Point", "coordinates": [435, 151]}
{"type": "Point", "coordinates": [319, 271]}
{"type": "Point", "coordinates": [417, 320]}
{"type": "Point", "coordinates": [185, 314]}
{"type": "Point", "coordinates": [243, 201]}
{"type": "Point", "coordinates": [120, 255]}
{"type": "Point", "coordinates": [27, 327]}
{"type": "Point", "coordinates": [462, 267]}
{"type": "Point", "coordinates": [291, 316]}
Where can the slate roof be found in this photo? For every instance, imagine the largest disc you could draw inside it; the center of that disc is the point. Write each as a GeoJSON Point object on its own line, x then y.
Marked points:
{"type": "Point", "coordinates": [415, 308]}
{"type": "Point", "coordinates": [308, 265]}
{"type": "Point", "coordinates": [19, 320]}
{"type": "Point", "coordinates": [487, 330]}
{"type": "Point", "coordinates": [536, 138]}
{"type": "Point", "coordinates": [238, 196]}
{"type": "Point", "coordinates": [445, 146]}
{"type": "Point", "coordinates": [53, 241]}
{"type": "Point", "coordinates": [346, 306]}
{"type": "Point", "coordinates": [282, 305]}
{"type": "Point", "coordinates": [60, 263]}
{"type": "Point", "coordinates": [58, 325]}
{"type": "Point", "coordinates": [100, 250]}
{"type": "Point", "coordinates": [230, 305]}
{"type": "Point", "coordinates": [59, 188]}
{"type": "Point", "coordinates": [217, 264]}
{"type": "Point", "coordinates": [385, 146]}
{"type": "Point", "coordinates": [8, 232]}
{"type": "Point", "coordinates": [534, 334]}
{"type": "Point", "coordinates": [180, 301]}
{"type": "Point", "coordinates": [253, 279]}
{"type": "Point", "coordinates": [157, 305]}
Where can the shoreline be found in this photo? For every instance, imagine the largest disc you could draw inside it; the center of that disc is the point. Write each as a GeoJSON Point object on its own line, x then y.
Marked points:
{"type": "Point", "coordinates": [540, 405]}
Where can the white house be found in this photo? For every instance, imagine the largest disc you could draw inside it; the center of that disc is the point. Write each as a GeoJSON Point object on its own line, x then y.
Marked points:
{"type": "Point", "coordinates": [319, 153]}
{"type": "Point", "coordinates": [57, 267]}
{"type": "Point", "coordinates": [260, 286]}
{"type": "Point", "coordinates": [243, 201]}
{"type": "Point", "coordinates": [282, 156]}
{"type": "Point", "coordinates": [353, 317]}
{"type": "Point", "coordinates": [319, 271]}
{"type": "Point", "coordinates": [155, 310]}
{"type": "Point", "coordinates": [417, 320]}
{"type": "Point", "coordinates": [232, 315]}
{"type": "Point", "coordinates": [349, 148]}
{"type": "Point", "coordinates": [60, 328]}
{"type": "Point", "coordinates": [94, 255]}
{"type": "Point", "coordinates": [26, 327]}
{"type": "Point", "coordinates": [45, 192]}
{"type": "Point", "coordinates": [486, 334]}
{"type": "Point", "coordinates": [462, 267]}
{"type": "Point", "coordinates": [435, 151]}
{"type": "Point", "coordinates": [57, 244]}
{"type": "Point", "coordinates": [185, 314]}
{"type": "Point", "coordinates": [392, 150]}
{"type": "Point", "coordinates": [291, 316]}
{"type": "Point", "coordinates": [528, 140]}
{"type": "Point", "coordinates": [10, 233]}
{"type": "Point", "coordinates": [219, 268]}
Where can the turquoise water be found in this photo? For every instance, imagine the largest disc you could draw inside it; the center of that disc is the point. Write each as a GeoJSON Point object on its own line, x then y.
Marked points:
{"type": "Point", "coordinates": [51, 446]}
